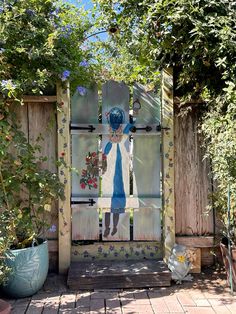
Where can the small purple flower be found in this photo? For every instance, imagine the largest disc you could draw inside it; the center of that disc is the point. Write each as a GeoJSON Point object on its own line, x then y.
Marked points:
{"type": "Point", "coordinates": [7, 84]}
{"type": "Point", "coordinates": [30, 12]}
{"type": "Point", "coordinates": [86, 254]}
{"type": "Point", "coordinates": [126, 255]}
{"type": "Point", "coordinates": [53, 228]}
{"type": "Point", "coordinates": [122, 248]}
{"type": "Point", "coordinates": [115, 254]}
{"type": "Point", "coordinates": [55, 12]}
{"type": "Point", "coordinates": [67, 30]}
{"type": "Point", "coordinates": [4, 83]}
{"type": "Point", "coordinates": [112, 248]}
{"type": "Point", "coordinates": [100, 249]}
{"type": "Point", "coordinates": [65, 75]}
{"type": "Point", "coordinates": [151, 254]}
{"type": "Point", "coordinates": [81, 90]}
{"type": "Point", "coordinates": [84, 63]}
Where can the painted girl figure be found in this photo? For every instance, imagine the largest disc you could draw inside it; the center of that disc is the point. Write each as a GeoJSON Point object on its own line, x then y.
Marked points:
{"type": "Point", "coordinates": [115, 148]}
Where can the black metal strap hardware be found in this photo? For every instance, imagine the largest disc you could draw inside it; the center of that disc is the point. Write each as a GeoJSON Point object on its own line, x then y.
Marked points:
{"type": "Point", "coordinates": [159, 128]}
{"type": "Point", "coordinates": [91, 202]}
{"type": "Point", "coordinates": [90, 128]}
{"type": "Point", "coordinates": [133, 129]}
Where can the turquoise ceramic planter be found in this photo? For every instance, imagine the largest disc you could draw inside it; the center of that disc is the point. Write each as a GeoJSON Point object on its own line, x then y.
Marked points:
{"type": "Point", "coordinates": [30, 268]}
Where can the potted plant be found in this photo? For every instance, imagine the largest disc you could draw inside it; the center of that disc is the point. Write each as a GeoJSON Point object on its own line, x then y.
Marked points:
{"type": "Point", "coordinates": [228, 241]}
{"type": "Point", "coordinates": [26, 194]}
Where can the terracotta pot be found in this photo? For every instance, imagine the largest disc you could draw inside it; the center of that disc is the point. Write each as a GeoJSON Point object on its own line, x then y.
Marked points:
{"type": "Point", "coordinates": [5, 307]}
{"type": "Point", "coordinates": [225, 255]}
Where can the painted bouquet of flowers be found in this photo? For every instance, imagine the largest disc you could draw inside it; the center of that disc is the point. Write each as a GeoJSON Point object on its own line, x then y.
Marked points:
{"type": "Point", "coordinates": [90, 175]}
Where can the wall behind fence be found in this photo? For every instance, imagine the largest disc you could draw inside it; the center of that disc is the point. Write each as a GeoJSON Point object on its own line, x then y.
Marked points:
{"type": "Point", "coordinates": [37, 118]}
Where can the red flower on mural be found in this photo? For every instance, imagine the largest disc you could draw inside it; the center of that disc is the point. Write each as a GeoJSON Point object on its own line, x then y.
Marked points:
{"type": "Point", "coordinates": [89, 176]}
{"type": "Point", "coordinates": [83, 185]}
{"type": "Point", "coordinates": [90, 181]}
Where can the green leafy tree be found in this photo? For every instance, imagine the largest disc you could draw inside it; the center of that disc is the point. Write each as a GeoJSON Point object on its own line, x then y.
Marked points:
{"type": "Point", "coordinates": [41, 42]}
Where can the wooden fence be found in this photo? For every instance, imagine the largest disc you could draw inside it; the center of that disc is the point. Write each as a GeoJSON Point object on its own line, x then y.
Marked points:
{"type": "Point", "coordinates": [192, 180]}
{"type": "Point", "coordinates": [193, 185]}
{"type": "Point", "coordinates": [38, 119]}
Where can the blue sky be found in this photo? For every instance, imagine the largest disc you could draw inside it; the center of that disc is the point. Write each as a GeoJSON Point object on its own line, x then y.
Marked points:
{"type": "Point", "coordinates": [87, 3]}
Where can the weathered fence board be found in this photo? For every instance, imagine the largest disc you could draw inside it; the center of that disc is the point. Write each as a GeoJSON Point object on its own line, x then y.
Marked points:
{"type": "Point", "coordinates": [37, 117]}
{"type": "Point", "coordinates": [85, 223]}
{"type": "Point", "coordinates": [192, 180]}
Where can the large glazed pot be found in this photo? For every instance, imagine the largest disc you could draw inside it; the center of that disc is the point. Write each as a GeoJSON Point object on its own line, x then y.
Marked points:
{"type": "Point", "coordinates": [226, 257]}
{"type": "Point", "coordinates": [29, 270]}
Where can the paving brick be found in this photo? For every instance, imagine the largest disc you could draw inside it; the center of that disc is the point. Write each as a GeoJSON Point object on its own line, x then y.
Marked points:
{"type": "Point", "coordinates": [173, 304]}
{"type": "Point", "coordinates": [221, 309]}
{"type": "Point", "coordinates": [36, 305]}
{"type": "Point", "coordinates": [185, 299]}
{"type": "Point", "coordinates": [144, 308]}
{"type": "Point", "coordinates": [202, 302]}
{"type": "Point", "coordinates": [68, 300]}
{"type": "Point", "coordinates": [103, 295]}
{"type": "Point", "coordinates": [128, 303]}
{"type": "Point", "coordinates": [51, 304]}
{"type": "Point", "coordinates": [83, 300]}
{"type": "Point", "coordinates": [196, 294]}
{"type": "Point", "coordinates": [142, 297]}
{"type": "Point", "coordinates": [231, 304]}
{"type": "Point", "coordinates": [97, 305]}
{"type": "Point", "coordinates": [129, 311]}
{"type": "Point", "coordinates": [159, 306]}
{"type": "Point", "coordinates": [198, 310]}
{"type": "Point", "coordinates": [82, 311]}
{"type": "Point", "coordinates": [113, 306]}
{"type": "Point", "coordinates": [19, 309]}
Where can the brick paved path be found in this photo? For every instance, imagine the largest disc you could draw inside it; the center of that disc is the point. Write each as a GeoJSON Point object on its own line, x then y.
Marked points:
{"type": "Point", "coordinates": [206, 294]}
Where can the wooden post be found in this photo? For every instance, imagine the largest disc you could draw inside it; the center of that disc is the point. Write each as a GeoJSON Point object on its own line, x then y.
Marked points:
{"type": "Point", "coordinates": [63, 119]}
{"type": "Point", "coordinates": [168, 161]}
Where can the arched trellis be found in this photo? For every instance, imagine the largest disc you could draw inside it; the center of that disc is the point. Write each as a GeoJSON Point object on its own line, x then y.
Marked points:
{"type": "Point", "coordinates": [64, 156]}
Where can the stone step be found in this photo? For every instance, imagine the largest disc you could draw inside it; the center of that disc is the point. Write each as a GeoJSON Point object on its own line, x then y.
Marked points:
{"type": "Point", "coordinates": [118, 274]}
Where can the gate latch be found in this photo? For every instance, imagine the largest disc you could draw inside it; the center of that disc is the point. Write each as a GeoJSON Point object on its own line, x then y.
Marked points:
{"type": "Point", "coordinates": [91, 202]}
{"type": "Point", "coordinates": [90, 128]}
{"type": "Point", "coordinates": [133, 129]}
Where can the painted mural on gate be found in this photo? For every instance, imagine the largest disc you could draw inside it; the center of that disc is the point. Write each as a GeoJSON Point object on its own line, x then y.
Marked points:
{"type": "Point", "coordinates": [115, 118]}
{"type": "Point", "coordinates": [118, 166]}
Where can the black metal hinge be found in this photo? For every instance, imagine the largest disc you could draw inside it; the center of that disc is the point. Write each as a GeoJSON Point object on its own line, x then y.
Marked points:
{"type": "Point", "coordinates": [133, 129]}
{"type": "Point", "coordinates": [91, 202]}
{"type": "Point", "coordinates": [90, 128]}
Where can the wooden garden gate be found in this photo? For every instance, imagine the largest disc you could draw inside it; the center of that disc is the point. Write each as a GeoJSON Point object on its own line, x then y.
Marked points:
{"type": "Point", "coordinates": [116, 155]}
{"type": "Point", "coordinates": [113, 208]}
